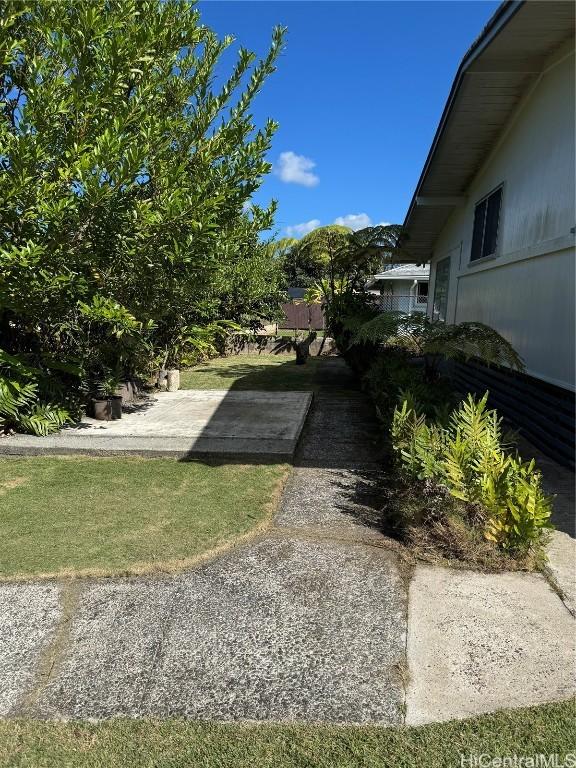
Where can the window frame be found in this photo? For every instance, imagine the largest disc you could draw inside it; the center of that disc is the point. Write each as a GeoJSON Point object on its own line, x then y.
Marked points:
{"type": "Point", "coordinates": [446, 264]}
{"type": "Point", "coordinates": [421, 299]}
{"type": "Point", "coordinates": [485, 201]}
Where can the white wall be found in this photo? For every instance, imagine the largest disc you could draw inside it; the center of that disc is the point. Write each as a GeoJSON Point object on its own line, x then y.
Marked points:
{"type": "Point", "coordinates": [526, 291]}
{"type": "Point", "coordinates": [398, 287]}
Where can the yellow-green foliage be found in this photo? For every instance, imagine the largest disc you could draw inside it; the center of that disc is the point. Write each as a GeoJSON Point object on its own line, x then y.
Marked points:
{"type": "Point", "coordinates": [468, 457]}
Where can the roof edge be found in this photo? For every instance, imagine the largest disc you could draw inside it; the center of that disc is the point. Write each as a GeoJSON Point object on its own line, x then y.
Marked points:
{"type": "Point", "coordinates": [497, 21]}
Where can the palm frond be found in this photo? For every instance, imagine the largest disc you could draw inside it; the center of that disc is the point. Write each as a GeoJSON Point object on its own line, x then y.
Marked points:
{"type": "Point", "coordinates": [44, 419]}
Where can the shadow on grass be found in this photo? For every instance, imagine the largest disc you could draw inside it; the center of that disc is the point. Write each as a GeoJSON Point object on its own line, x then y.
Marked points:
{"type": "Point", "coordinates": [283, 374]}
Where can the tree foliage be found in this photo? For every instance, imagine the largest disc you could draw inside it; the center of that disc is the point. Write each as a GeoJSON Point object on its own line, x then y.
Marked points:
{"type": "Point", "coordinates": [334, 260]}
{"type": "Point", "coordinates": [126, 166]}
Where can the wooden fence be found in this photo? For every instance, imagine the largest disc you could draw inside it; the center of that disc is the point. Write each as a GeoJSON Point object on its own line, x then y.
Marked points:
{"type": "Point", "coordinates": [302, 316]}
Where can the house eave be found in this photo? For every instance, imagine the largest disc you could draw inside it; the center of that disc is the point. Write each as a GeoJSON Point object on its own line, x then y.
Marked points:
{"type": "Point", "coordinates": [506, 58]}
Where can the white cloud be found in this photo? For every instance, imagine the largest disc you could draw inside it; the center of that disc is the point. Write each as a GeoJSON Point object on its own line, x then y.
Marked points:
{"type": "Point", "coordinates": [296, 169]}
{"type": "Point", "coordinates": [354, 221]}
{"type": "Point", "coordinates": [299, 230]}
{"type": "Point", "coordinates": [358, 221]}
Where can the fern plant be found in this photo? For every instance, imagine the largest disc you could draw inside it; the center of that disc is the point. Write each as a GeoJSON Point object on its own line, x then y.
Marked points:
{"type": "Point", "coordinates": [470, 459]}
{"type": "Point", "coordinates": [431, 339]}
{"type": "Point", "coordinates": [21, 408]}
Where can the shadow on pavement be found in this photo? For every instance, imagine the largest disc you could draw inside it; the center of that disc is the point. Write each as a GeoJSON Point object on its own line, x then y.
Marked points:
{"type": "Point", "coordinates": [341, 434]}
{"type": "Point", "coordinates": [340, 430]}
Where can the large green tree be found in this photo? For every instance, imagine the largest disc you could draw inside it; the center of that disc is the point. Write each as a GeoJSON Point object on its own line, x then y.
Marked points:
{"type": "Point", "coordinates": [334, 260]}
{"type": "Point", "coordinates": [126, 164]}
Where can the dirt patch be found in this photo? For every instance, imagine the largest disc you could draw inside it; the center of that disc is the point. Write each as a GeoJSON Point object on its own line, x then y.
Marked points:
{"type": "Point", "coordinates": [9, 485]}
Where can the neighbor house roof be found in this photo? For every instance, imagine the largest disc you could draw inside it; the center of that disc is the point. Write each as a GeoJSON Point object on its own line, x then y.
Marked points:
{"type": "Point", "coordinates": [507, 57]}
{"type": "Point", "coordinates": [296, 293]}
{"type": "Point", "coordinates": [400, 272]}
{"type": "Point", "coordinates": [405, 272]}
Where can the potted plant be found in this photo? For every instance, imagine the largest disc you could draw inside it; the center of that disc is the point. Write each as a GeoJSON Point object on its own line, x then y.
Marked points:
{"type": "Point", "coordinates": [106, 402]}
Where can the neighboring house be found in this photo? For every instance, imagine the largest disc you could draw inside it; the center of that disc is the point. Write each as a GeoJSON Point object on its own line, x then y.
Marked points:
{"type": "Point", "coordinates": [494, 212]}
{"type": "Point", "coordinates": [296, 294]}
{"type": "Point", "coordinates": [401, 288]}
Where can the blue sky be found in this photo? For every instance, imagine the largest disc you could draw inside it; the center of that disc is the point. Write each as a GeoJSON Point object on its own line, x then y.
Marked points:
{"type": "Point", "coordinates": [358, 93]}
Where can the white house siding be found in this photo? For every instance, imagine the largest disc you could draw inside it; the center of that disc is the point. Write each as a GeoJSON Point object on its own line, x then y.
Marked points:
{"type": "Point", "coordinates": [526, 292]}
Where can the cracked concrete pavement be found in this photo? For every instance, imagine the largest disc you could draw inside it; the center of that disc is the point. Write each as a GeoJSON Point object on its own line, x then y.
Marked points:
{"type": "Point", "coordinates": [316, 620]}
{"type": "Point", "coordinates": [280, 630]}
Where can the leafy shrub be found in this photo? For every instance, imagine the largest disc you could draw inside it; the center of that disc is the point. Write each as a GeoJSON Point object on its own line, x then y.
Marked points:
{"type": "Point", "coordinates": [21, 407]}
{"type": "Point", "coordinates": [195, 343]}
{"type": "Point", "coordinates": [395, 376]}
{"type": "Point", "coordinates": [439, 528]}
{"type": "Point", "coordinates": [468, 457]}
{"type": "Point", "coordinates": [345, 316]}
{"type": "Point", "coordinates": [128, 171]}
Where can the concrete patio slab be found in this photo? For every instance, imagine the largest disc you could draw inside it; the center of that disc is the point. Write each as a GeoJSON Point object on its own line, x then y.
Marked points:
{"type": "Point", "coordinates": [283, 630]}
{"type": "Point", "coordinates": [561, 567]}
{"type": "Point", "coordinates": [187, 423]}
{"type": "Point", "coordinates": [480, 642]}
{"type": "Point", "coordinates": [29, 616]}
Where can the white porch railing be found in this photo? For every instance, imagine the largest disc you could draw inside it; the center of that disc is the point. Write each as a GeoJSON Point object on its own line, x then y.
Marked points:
{"type": "Point", "coordinates": [405, 304]}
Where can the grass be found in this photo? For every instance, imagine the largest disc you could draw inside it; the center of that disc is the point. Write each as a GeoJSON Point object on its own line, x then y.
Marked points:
{"type": "Point", "coordinates": [276, 373]}
{"type": "Point", "coordinates": [124, 515]}
{"type": "Point", "coordinates": [289, 333]}
{"type": "Point", "coordinates": [548, 729]}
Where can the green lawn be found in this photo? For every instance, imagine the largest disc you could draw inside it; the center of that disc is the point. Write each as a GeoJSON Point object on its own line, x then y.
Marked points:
{"type": "Point", "coordinates": [177, 744]}
{"type": "Point", "coordinates": [124, 515]}
{"type": "Point", "coordinates": [289, 333]}
{"type": "Point", "coordinates": [278, 373]}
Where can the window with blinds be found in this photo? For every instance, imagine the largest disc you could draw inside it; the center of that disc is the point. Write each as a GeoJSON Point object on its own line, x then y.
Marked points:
{"type": "Point", "coordinates": [485, 231]}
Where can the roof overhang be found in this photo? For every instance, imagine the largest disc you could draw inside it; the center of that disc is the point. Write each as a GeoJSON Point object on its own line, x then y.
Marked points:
{"type": "Point", "coordinates": [504, 61]}
{"type": "Point", "coordinates": [385, 277]}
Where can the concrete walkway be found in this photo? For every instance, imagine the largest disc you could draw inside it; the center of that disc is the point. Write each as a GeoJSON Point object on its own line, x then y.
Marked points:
{"type": "Point", "coordinates": [481, 642]}
{"type": "Point", "coordinates": [318, 620]}
{"type": "Point", "coordinates": [560, 483]}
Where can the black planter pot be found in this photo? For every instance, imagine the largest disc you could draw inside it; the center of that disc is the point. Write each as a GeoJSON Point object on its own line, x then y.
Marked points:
{"type": "Point", "coordinates": [107, 408]}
